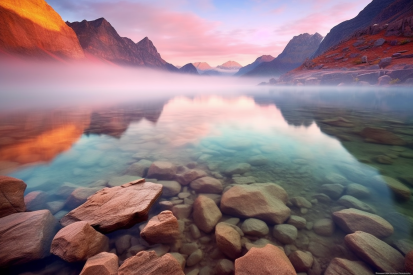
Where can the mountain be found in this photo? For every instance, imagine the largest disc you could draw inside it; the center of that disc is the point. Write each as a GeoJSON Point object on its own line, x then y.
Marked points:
{"type": "Point", "coordinates": [32, 28]}
{"type": "Point", "coordinates": [378, 11]}
{"type": "Point", "coordinates": [98, 38]}
{"type": "Point", "coordinates": [230, 65]}
{"type": "Point", "coordinates": [189, 69]}
{"type": "Point", "coordinates": [258, 61]}
{"type": "Point", "coordinates": [295, 53]}
{"type": "Point", "coordinates": [202, 66]}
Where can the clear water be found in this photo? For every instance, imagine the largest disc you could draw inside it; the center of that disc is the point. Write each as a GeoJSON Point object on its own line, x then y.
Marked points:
{"type": "Point", "coordinates": [93, 147]}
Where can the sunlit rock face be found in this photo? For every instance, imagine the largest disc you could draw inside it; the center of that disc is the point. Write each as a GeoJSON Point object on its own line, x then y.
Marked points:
{"type": "Point", "coordinates": [33, 28]}
{"type": "Point", "coordinates": [99, 39]}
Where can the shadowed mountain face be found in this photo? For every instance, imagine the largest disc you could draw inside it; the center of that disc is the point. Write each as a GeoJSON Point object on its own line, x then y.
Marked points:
{"type": "Point", "coordinates": [295, 53]}
{"type": "Point", "coordinates": [258, 61]}
{"type": "Point", "coordinates": [378, 11]}
{"type": "Point", "coordinates": [188, 69]}
{"type": "Point", "coordinates": [100, 39]}
{"type": "Point", "coordinates": [32, 28]}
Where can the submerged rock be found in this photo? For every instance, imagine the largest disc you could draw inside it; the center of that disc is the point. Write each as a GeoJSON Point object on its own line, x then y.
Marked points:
{"type": "Point", "coordinates": [324, 227]}
{"type": "Point", "coordinates": [78, 242]}
{"type": "Point", "coordinates": [187, 176]}
{"type": "Point", "coordinates": [117, 207]}
{"type": "Point", "coordinates": [301, 202]}
{"type": "Point", "coordinates": [285, 233]}
{"type": "Point", "coordinates": [101, 264]}
{"type": "Point", "coordinates": [26, 236]}
{"type": "Point", "coordinates": [80, 195]}
{"type": "Point", "coordinates": [375, 252]}
{"type": "Point", "coordinates": [224, 267]}
{"type": "Point", "coordinates": [352, 202]}
{"type": "Point", "coordinates": [255, 227]}
{"type": "Point", "coordinates": [139, 168]}
{"type": "Point", "coordinates": [207, 185]}
{"type": "Point", "coordinates": [206, 213]}
{"type": "Point", "coordinates": [399, 189]}
{"type": "Point", "coordinates": [239, 168]}
{"type": "Point", "coordinates": [381, 136]}
{"type": "Point", "coordinates": [170, 188]}
{"type": "Point", "coordinates": [338, 121]}
{"type": "Point", "coordinates": [162, 170]}
{"type": "Point", "coordinates": [357, 190]}
{"type": "Point", "coordinates": [228, 240]}
{"type": "Point", "coordinates": [409, 262]}
{"type": "Point", "coordinates": [297, 221]}
{"type": "Point", "coordinates": [257, 160]}
{"type": "Point", "coordinates": [149, 263]}
{"type": "Point", "coordinates": [264, 261]}
{"type": "Point", "coordinates": [264, 201]}
{"type": "Point", "coordinates": [352, 220]}
{"type": "Point", "coordinates": [343, 266]}
{"type": "Point", "coordinates": [302, 261]}
{"type": "Point", "coordinates": [35, 200]}
{"type": "Point", "coordinates": [162, 228]}
{"type": "Point", "coordinates": [11, 196]}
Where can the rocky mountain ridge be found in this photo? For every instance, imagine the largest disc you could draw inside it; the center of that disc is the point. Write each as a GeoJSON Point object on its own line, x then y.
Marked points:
{"type": "Point", "coordinates": [258, 61]}
{"type": "Point", "coordinates": [230, 65]}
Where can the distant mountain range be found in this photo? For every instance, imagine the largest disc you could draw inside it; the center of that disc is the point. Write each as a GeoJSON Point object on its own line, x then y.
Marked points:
{"type": "Point", "coordinates": [189, 69]}
{"type": "Point", "coordinates": [295, 53]}
{"type": "Point", "coordinates": [230, 65]}
{"type": "Point", "coordinates": [202, 66]}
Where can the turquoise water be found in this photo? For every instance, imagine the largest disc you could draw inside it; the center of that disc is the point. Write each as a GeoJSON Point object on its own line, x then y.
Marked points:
{"type": "Point", "coordinates": [94, 147]}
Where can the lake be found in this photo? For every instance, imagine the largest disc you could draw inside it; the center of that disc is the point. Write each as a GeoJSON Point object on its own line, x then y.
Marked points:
{"type": "Point", "coordinates": [330, 149]}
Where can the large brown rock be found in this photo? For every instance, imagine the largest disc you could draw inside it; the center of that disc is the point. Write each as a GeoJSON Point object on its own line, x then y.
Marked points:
{"type": "Point", "coordinates": [11, 196]}
{"type": "Point", "coordinates": [268, 260]}
{"type": "Point", "coordinates": [149, 263]}
{"type": "Point", "coordinates": [187, 176]}
{"type": "Point", "coordinates": [206, 213]}
{"type": "Point", "coordinates": [382, 136]}
{"type": "Point", "coordinates": [33, 28]}
{"type": "Point", "coordinates": [103, 263]}
{"type": "Point", "coordinates": [375, 252]}
{"type": "Point", "coordinates": [78, 242]}
{"type": "Point", "coordinates": [228, 240]}
{"type": "Point", "coordinates": [162, 170]}
{"type": "Point", "coordinates": [339, 266]}
{"type": "Point", "coordinates": [26, 236]}
{"type": "Point", "coordinates": [408, 262]}
{"type": "Point", "coordinates": [117, 207]}
{"type": "Point", "coordinates": [207, 185]}
{"type": "Point", "coordinates": [352, 220]}
{"type": "Point", "coordinates": [265, 201]}
{"type": "Point", "coordinates": [162, 228]}
{"type": "Point", "coordinates": [302, 261]}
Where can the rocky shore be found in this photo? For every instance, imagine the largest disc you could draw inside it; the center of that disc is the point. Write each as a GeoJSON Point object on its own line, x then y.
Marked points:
{"type": "Point", "coordinates": [183, 220]}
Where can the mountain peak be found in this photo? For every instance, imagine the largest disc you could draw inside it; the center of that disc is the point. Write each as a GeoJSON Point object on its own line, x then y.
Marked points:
{"type": "Point", "coordinates": [229, 65]}
{"type": "Point", "coordinates": [202, 66]}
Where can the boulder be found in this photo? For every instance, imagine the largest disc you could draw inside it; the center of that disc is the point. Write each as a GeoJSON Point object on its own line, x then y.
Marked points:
{"type": "Point", "coordinates": [228, 240]}
{"type": "Point", "coordinates": [194, 258]}
{"type": "Point", "coordinates": [182, 211]}
{"type": "Point", "coordinates": [399, 189]}
{"type": "Point", "coordinates": [352, 220]}
{"type": "Point", "coordinates": [187, 176]}
{"type": "Point", "coordinates": [139, 168]}
{"type": "Point", "coordinates": [370, 78]}
{"type": "Point", "coordinates": [381, 136]}
{"type": "Point", "coordinates": [334, 191]}
{"type": "Point", "coordinates": [384, 80]}
{"type": "Point", "coordinates": [26, 236]}
{"type": "Point", "coordinates": [78, 242]}
{"type": "Point", "coordinates": [239, 168]}
{"type": "Point", "coordinates": [352, 202]}
{"type": "Point", "coordinates": [262, 201]}
{"type": "Point", "coordinates": [409, 262]}
{"type": "Point", "coordinates": [35, 200]}
{"type": "Point", "coordinates": [379, 42]}
{"type": "Point", "coordinates": [11, 196]}
{"type": "Point", "coordinates": [170, 188]}
{"type": "Point", "coordinates": [297, 221]}
{"type": "Point", "coordinates": [384, 62]}
{"type": "Point", "coordinates": [255, 227]}
{"type": "Point", "coordinates": [162, 170]}
{"type": "Point", "coordinates": [267, 260]}
{"type": "Point", "coordinates": [285, 233]}
{"type": "Point", "coordinates": [162, 228]}
{"type": "Point", "coordinates": [55, 206]}
{"type": "Point", "coordinates": [206, 213]}
{"type": "Point", "coordinates": [148, 263]}
{"type": "Point", "coordinates": [343, 266]}
{"type": "Point", "coordinates": [375, 252]}
{"type": "Point", "coordinates": [324, 227]}
{"type": "Point", "coordinates": [302, 261]}
{"type": "Point", "coordinates": [118, 207]}
{"type": "Point", "coordinates": [79, 196]}
{"type": "Point", "coordinates": [207, 185]}
{"type": "Point", "coordinates": [103, 263]}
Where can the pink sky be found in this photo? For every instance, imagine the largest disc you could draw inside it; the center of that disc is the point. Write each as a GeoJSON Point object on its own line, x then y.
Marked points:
{"type": "Point", "coordinates": [214, 31]}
